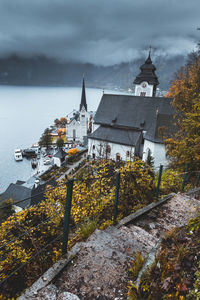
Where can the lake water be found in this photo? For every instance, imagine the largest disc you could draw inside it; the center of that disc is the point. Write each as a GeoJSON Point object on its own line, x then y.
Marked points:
{"type": "Point", "coordinates": [24, 114]}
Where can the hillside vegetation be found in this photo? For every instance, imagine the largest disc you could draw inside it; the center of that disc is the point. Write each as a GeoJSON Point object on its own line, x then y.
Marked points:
{"type": "Point", "coordinates": [24, 235]}
{"type": "Point", "coordinates": [175, 273]}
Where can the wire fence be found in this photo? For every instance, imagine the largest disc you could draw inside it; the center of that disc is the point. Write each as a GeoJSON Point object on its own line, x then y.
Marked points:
{"type": "Point", "coordinates": [62, 226]}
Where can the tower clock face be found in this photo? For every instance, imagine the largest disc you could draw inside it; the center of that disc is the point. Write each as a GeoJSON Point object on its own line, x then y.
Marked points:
{"type": "Point", "coordinates": [144, 84]}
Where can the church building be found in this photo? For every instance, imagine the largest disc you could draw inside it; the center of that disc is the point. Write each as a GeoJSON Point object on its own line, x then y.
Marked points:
{"type": "Point", "coordinates": [146, 82]}
{"type": "Point", "coordinates": [80, 123]}
{"type": "Point", "coordinates": [133, 124]}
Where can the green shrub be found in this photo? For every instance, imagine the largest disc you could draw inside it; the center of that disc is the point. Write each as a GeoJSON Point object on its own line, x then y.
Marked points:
{"type": "Point", "coordinates": [87, 228]}
{"type": "Point", "coordinates": [7, 211]}
{"type": "Point", "coordinates": [171, 181]}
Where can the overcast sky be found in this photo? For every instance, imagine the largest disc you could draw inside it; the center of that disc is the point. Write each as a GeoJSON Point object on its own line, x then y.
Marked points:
{"type": "Point", "coordinates": [103, 32]}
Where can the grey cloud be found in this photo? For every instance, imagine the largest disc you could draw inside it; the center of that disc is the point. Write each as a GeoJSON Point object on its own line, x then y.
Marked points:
{"type": "Point", "coordinates": [103, 32]}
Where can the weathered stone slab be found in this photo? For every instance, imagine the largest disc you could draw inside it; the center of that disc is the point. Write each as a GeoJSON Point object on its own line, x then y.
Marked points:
{"type": "Point", "coordinates": [144, 210]}
{"type": "Point", "coordinates": [49, 275]}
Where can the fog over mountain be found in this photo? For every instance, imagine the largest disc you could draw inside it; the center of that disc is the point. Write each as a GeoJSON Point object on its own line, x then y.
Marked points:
{"type": "Point", "coordinates": [44, 71]}
{"type": "Point", "coordinates": [55, 41]}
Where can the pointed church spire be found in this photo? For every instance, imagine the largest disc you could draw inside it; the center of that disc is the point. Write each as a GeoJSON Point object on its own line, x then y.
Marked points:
{"type": "Point", "coordinates": [149, 61]}
{"type": "Point", "coordinates": [83, 97]}
{"type": "Point", "coordinates": [147, 72]}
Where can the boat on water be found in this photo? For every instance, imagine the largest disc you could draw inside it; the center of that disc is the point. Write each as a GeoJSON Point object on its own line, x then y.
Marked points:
{"type": "Point", "coordinates": [47, 161]}
{"type": "Point", "coordinates": [29, 153]}
{"type": "Point", "coordinates": [32, 152]}
{"type": "Point", "coordinates": [18, 154]}
{"type": "Point", "coordinates": [34, 163]}
{"type": "Point", "coordinates": [36, 148]}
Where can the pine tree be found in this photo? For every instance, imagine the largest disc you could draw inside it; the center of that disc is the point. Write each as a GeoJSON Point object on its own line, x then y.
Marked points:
{"type": "Point", "coordinates": [46, 139]}
{"type": "Point", "coordinates": [150, 160]}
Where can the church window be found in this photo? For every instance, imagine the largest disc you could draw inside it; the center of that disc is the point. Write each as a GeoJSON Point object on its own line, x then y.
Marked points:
{"type": "Point", "coordinates": [74, 134]}
{"type": "Point", "coordinates": [118, 157]}
{"type": "Point", "coordinates": [93, 155]}
{"type": "Point", "coordinates": [108, 149]}
{"type": "Point", "coordinates": [127, 153]}
{"type": "Point", "coordinates": [93, 147]}
{"type": "Point", "coordinates": [143, 94]}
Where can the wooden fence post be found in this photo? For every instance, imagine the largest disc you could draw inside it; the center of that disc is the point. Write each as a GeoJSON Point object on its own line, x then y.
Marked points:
{"type": "Point", "coordinates": [159, 181]}
{"type": "Point", "coordinates": [116, 197]}
{"type": "Point", "coordinates": [198, 178]}
{"type": "Point", "coordinates": [185, 177]}
{"type": "Point", "coordinates": [68, 204]}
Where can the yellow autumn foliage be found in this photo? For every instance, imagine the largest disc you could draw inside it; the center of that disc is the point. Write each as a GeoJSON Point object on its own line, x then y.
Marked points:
{"type": "Point", "coordinates": [72, 151]}
{"type": "Point", "coordinates": [93, 199]}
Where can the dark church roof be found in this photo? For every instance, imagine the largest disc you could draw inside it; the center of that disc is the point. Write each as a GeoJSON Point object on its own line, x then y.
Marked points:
{"type": "Point", "coordinates": [135, 112]}
{"type": "Point", "coordinates": [147, 73]}
{"type": "Point", "coordinates": [33, 196]}
{"type": "Point", "coordinates": [60, 154]}
{"type": "Point", "coordinates": [155, 132]}
{"type": "Point", "coordinates": [38, 193]}
{"type": "Point", "coordinates": [76, 117]}
{"type": "Point", "coordinates": [20, 182]}
{"type": "Point", "coordinates": [83, 97]}
{"type": "Point", "coordinates": [117, 135]}
{"type": "Point", "coordinates": [17, 193]}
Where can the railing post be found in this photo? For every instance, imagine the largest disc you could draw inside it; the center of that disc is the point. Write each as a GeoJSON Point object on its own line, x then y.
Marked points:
{"type": "Point", "coordinates": [198, 178]}
{"type": "Point", "coordinates": [116, 197]}
{"type": "Point", "coordinates": [185, 177]}
{"type": "Point", "coordinates": [68, 204]}
{"type": "Point", "coordinates": [159, 181]}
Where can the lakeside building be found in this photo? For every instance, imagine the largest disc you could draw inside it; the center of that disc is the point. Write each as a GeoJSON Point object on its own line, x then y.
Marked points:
{"type": "Point", "coordinates": [30, 191]}
{"type": "Point", "coordinates": [133, 124]}
{"type": "Point", "coordinates": [80, 123]}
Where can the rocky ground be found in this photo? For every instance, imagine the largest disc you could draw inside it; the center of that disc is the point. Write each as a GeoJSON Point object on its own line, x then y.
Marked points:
{"type": "Point", "coordinates": [100, 269]}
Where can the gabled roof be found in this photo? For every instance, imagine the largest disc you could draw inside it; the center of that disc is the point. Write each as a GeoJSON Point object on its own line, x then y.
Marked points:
{"type": "Point", "coordinates": [116, 135]}
{"type": "Point", "coordinates": [33, 196]}
{"type": "Point", "coordinates": [75, 117]}
{"type": "Point", "coordinates": [135, 112]}
{"type": "Point", "coordinates": [60, 154]}
{"type": "Point", "coordinates": [38, 193]}
{"type": "Point", "coordinates": [131, 111]}
{"type": "Point", "coordinates": [20, 182]}
{"type": "Point", "coordinates": [17, 193]}
{"type": "Point", "coordinates": [162, 121]}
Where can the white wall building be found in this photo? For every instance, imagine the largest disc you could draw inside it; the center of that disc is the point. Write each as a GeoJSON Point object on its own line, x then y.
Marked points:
{"type": "Point", "coordinates": [130, 125]}
{"type": "Point", "coordinates": [113, 143]}
{"type": "Point", "coordinates": [157, 151]}
{"type": "Point", "coordinates": [146, 81]}
{"type": "Point", "coordinates": [99, 149]}
{"type": "Point", "coordinates": [81, 122]}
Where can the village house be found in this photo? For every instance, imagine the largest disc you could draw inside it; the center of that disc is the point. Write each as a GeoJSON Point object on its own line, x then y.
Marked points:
{"type": "Point", "coordinates": [131, 125]}
{"type": "Point", "coordinates": [80, 123]}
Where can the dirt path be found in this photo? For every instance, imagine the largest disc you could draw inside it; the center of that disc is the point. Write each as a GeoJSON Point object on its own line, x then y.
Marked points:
{"type": "Point", "coordinates": [71, 167]}
{"type": "Point", "coordinates": [100, 269]}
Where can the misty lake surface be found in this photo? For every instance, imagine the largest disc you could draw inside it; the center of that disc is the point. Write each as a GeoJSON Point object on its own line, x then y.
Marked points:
{"type": "Point", "coordinates": [25, 112]}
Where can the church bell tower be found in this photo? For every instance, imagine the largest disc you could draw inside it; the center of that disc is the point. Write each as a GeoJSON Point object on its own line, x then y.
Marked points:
{"type": "Point", "coordinates": [83, 104]}
{"type": "Point", "coordinates": [147, 81]}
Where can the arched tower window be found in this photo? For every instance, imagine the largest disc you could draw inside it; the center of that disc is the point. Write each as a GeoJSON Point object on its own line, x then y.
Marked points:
{"type": "Point", "coordinates": [118, 157]}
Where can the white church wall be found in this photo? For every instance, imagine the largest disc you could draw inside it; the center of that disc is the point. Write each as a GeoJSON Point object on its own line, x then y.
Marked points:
{"type": "Point", "coordinates": [95, 127]}
{"type": "Point", "coordinates": [157, 151]}
{"type": "Point", "coordinates": [144, 87]}
{"type": "Point", "coordinates": [57, 161]}
{"type": "Point", "coordinates": [97, 149]}
{"type": "Point", "coordinates": [78, 129]}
